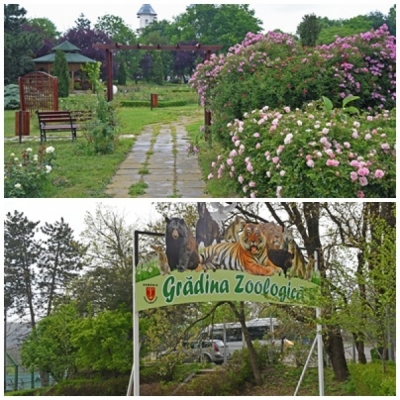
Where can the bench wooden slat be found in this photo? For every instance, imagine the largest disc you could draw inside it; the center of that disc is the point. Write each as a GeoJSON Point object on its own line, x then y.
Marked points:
{"type": "Point", "coordinates": [61, 120]}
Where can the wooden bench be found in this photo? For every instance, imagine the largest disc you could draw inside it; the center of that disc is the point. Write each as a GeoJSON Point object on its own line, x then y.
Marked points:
{"type": "Point", "coordinates": [62, 120]}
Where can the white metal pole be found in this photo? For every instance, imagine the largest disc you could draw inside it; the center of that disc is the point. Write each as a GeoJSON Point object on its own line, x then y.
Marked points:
{"type": "Point", "coordinates": [319, 341]}
{"type": "Point", "coordinates": [135, 376]}
{"type": "Point", "coordinates": [305, 367]}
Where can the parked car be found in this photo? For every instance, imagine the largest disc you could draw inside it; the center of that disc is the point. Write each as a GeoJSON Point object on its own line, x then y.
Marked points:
{"type": "Point", "coordinates": [212, 351]}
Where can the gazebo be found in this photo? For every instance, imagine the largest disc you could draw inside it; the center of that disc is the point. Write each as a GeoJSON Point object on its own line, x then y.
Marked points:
{"type": "Point", "coordinates": [72, 54]}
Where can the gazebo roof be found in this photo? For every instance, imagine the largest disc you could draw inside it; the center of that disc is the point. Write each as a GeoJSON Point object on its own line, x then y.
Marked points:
{"type": "Point", "coordinates": [72, 58]}
{"type": "Point", "coordinates": [71, 54]}
{"type": "Point", "coordinates": [67, 47]}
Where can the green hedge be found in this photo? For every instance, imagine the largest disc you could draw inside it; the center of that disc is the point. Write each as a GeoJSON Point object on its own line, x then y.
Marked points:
{"type": "Point", "coordinates": [91, 387]}
{"type": "Point", "coordinates": [145, 103]}
{"type": "Point", "coordinates": [368, 379]}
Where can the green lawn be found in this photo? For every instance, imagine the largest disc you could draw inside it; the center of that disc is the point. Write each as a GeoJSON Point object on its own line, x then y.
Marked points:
{"type": "Point", "coordinates": [77, 174]}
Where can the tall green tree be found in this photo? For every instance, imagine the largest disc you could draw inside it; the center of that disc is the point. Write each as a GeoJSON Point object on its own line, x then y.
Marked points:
{"type": "Point", "coordinates": [391, 20]}
{"type": "Point", "coordinates": [82, 23]}
{"type": "Point", "coordinates": [107, 284]}
{"type": "Point", "coordinates": [308, 30]}
{"type": "Point", "coordinates": [158, 71]}
{"type": "Point", "coordinates": [46, 27]}
{"type": "Point", "coordinates": [61, 71]}
{"type": "Point", "coordinates": [19, 46]}
{"type": "Point", "coordinates": [21, 252]}
{"type": "Point", "coordinates": [119, 32]}
{"type": "Point", "coordinates": [224, 24]}
{"type": "Point", "coordinates": [60, 262]}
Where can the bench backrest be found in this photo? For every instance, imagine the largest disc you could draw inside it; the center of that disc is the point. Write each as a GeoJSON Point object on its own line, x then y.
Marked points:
{"type": "Point", "coordinates": [83, 115]}
{"type": "Point", "coordinates": [46, 117]}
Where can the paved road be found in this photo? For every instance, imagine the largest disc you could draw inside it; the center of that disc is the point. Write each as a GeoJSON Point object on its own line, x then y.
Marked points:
{"type": "Point", "coordinates": [159, 158]}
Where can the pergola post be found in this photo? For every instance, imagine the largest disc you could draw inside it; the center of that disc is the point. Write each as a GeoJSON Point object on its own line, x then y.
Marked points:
{"type": "Point", "coordinates": [207, 113]}
{"type": "Point", "coordinates": [109, 66]}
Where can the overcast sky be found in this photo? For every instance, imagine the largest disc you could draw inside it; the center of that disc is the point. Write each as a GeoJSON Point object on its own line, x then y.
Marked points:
{"type": "Point", "coordinates": [274, 16]}
{"type": "Point", "coordinates": [136, 211]}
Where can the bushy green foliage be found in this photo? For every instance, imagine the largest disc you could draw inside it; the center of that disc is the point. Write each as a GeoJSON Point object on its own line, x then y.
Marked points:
{"type": "Point", "coordinates": [26, 175]}
{"type": "Point", "coordinates": [368, 379]}
{"type": "Point", "coordinates": [101, 130]}
{"type": "Point", "coordinates": [11, 97]}
{"type": "Point", "coordinates": [48, 347]}
{"type": "Point", "coordinates": [92, 387]}
{"type": "Point", "coordinates": [104, 341]}
{"type": "Point", "coordinates": [61, 71]}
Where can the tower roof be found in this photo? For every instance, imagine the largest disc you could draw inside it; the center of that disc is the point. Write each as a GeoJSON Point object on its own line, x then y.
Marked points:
{"type": "Point", "coordinates": [146, 9]}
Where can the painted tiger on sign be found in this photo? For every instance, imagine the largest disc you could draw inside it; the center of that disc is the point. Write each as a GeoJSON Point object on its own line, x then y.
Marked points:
{"type": "Point", "coordinates": [249, 254]}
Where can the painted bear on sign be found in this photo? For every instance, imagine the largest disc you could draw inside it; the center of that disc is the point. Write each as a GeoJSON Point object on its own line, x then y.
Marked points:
{"type": "Point", "coordinates": [181, 247]}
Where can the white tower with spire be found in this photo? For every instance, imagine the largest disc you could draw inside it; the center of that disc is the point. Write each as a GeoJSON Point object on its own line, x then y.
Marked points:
{"type": "Point", "coordinates": [147, 15]}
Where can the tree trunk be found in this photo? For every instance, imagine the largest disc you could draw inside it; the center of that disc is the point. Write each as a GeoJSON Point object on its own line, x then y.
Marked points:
{"type": "Point", "coordinates": [335, 349]}
{"type": "Point", "coordinates": [252, 352]}
{"type": "Point", "coordinates": [360, 348]}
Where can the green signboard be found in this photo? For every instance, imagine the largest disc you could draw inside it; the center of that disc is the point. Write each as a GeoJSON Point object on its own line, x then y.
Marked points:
{"type": "Point", "coordinates": [220, 285]}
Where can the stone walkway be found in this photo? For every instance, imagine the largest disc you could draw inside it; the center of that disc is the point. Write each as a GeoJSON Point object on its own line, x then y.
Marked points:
{"type": "Point", "coordinates": [159, 160]}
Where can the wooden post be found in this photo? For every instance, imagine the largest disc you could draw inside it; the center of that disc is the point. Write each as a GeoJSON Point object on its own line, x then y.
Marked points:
{"type": "Point", "coordinates": [109, 65]}
{"type": "Point", "coordinates": [207, 114]}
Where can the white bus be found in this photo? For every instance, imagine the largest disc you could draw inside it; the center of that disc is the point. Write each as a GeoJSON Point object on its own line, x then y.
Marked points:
{"type": "Point", "coordinates": [261, 329]}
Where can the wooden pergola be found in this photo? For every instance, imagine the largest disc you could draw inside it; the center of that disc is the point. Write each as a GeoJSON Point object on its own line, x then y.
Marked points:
{"type": "Point", "coordinates": [109, 48]}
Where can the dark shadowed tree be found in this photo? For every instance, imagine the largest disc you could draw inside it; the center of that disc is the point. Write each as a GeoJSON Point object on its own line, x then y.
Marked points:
{"type": "Point", "coordinates": [60, 262]}
{"type": "Point", "coordinates": [82, 23]}
{"type": "Point", "coordinates": [308, 30]}
{"type": "Point", "coordinates": [21, 252]}
{"type": "Point", "coordinates": [19, 46]}
{"type": "Point", "coordinates": [84, 39]}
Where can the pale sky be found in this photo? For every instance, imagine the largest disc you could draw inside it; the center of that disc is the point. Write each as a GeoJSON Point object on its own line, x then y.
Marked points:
{"type": "Point", "coordinates": [136, 211]}
{"type": "Point", "coordinates": [274, 16]}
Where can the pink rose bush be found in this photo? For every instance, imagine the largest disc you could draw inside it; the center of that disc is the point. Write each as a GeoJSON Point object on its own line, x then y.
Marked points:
{"type": "Point", "coordinates": [311, 160]}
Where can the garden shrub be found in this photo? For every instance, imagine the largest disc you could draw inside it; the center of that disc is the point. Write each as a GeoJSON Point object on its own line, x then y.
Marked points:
{"type": "Point", "coordinates": [145, 103]}
{"type": "Point", "coordinates": [100, 131]}
{"type": "Point", "coordinates": [27, 175]}
{"type": "Point", "coordinates": [368, 379]}
{"type": "Point", "coordinates": [311, 152]}
{"type": "Point", "coordinates": [91, 387]}
{"type": "Point", "coordinates": [275, 70]}
{"type": "Point", "coordinates": [11, 97]}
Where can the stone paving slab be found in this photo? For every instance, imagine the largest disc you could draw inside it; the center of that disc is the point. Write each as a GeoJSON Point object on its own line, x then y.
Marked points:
{"type": "Point", "coordinates": [171, 173]}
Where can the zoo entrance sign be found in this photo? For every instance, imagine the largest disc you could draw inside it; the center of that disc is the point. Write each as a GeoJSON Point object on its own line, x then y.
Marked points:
{"type": "Point", "coordinates": [191, 287]}
{"type": "Point", "coordinates": [239, 261]}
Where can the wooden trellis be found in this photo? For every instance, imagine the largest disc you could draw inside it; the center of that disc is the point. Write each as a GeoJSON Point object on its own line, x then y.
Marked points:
{"type": "Point", "coordinates": [38, 91]}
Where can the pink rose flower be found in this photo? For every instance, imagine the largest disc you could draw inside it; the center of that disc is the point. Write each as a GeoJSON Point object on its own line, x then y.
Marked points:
{"type": "Point", "coordinates": [360, 194]}
{"type": "Point", "coordinates": [379, 173]}
{"type": "Point", "coordinates": [363, 171]}
{"type": "Point", "coordinates": [353, 176]}
{"type": "Point", "coordinates": [332, 163]}
{"type": "Point", "coordinates": [363, 181]}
